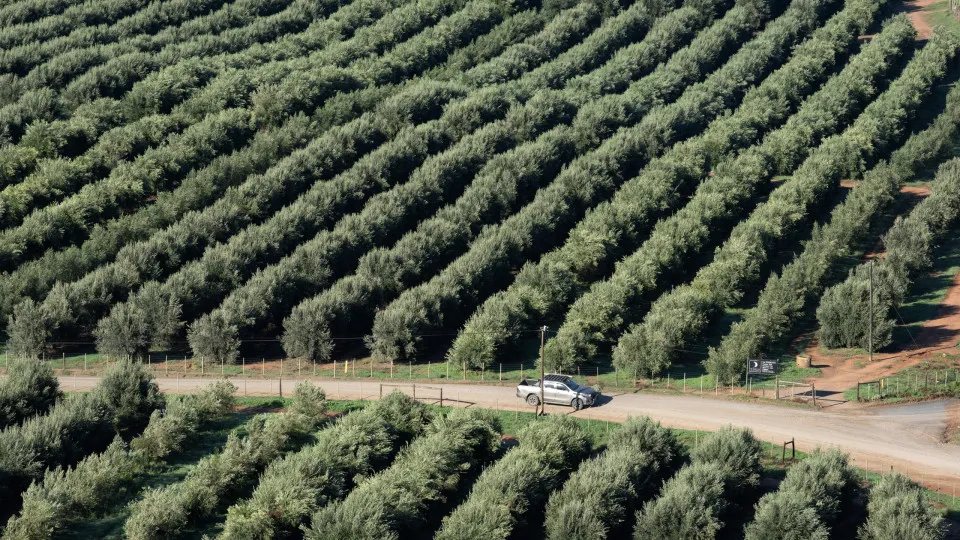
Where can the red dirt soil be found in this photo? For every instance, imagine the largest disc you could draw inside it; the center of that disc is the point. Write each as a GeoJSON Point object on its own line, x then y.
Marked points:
{"type": "Point", "coordinates": [914, 9]}
{"type": "Point", "coordinates": [937, 335]}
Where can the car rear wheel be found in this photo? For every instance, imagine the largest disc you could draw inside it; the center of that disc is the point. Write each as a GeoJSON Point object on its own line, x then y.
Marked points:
{"type": "Point", "coordinates": [532, 399]}
{"type": "Point", "coordinates": [577, 404]}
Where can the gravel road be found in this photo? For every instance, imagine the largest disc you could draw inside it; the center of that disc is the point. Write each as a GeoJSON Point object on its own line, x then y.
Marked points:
{"type": "Point", "coordinates": [907, 438]}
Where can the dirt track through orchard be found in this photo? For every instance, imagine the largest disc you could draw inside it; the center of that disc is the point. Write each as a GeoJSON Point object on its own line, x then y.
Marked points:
{"type": "Point", "coordinates": [905, 437]}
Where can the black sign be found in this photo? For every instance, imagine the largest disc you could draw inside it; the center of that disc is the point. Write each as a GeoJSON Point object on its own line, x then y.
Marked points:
{"type": "Point", "coordinates": [761, 367]}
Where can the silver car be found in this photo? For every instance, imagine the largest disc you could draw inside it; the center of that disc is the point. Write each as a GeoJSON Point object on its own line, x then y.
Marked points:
{"type": "Point", "coordinates": [558, 390]}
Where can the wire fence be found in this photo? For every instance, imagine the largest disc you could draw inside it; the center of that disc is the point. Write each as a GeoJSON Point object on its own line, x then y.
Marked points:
{"type": "Point", "coordinates": [917, 384]}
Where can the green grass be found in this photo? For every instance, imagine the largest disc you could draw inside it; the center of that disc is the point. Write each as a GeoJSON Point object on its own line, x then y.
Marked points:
{"type": "Point", "coordinates": [939, 16]}
{"type": "Point", "coordinates": [932, 378]}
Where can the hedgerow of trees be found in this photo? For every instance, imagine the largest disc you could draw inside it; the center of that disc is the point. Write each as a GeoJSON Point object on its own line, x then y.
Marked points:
{"type": "Point", "coordinates": [101, 480]}
{"type": "Point", "coordinates": [601, 496]}
{"type": "Point", "coordinates": [448, 296]}
{"type": "Point", "coordinates": [679, 317]}
{"type": "Point", "coordinates": [218, 479]}
{"type": "Point", "coordinates": [512, 492]}
{"type": "Point", "coordinates": [542, 289]}
{"type": "Point", "coordinates": [399, 501]}
{"type": "Point", "coordinates": [784, 298]}
{"type": "Point", "coordinates": [844, 310]}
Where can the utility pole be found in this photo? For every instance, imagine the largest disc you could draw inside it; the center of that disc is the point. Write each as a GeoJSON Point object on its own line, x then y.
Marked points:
{"type": "Point", "coordinates": [543, 333]}
{"type": "Point", "coordinates": [870, 335]}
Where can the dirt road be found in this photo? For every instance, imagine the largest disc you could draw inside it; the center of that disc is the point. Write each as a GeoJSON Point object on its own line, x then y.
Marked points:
{"type": "Point", "coordinates": [907, 438]}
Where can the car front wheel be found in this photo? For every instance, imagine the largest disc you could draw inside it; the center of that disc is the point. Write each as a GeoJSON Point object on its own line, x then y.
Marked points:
{"type": "Point", "coordinates": [577, 404]}
{"type": "Point", "coordinates": [532, 399]}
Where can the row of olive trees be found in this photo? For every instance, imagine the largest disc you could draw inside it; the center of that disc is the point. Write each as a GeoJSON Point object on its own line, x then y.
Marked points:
{"type": "Point", "coordinates": [164, 251]}
{"type": "Point", "coordinates": [71, 132]}
{"type": "Point", "coordinates": [99, 481]}
{"type": "Point", "coordinates": [510, 495]}
{"type": "Point", "coordinates": [403, 499]}
{"type": "Point", "coordinates": [504, 184]}
{"type": "Point", "coordinates": [680, 317]}
{"type": "Point", "coordinates": [898, 509]}
{"type": "Point", "coordinates": [35, 278]}
{"type": "Point", "coordinates": [629, 63]}
{"type": "Point", "coordinates": [58, 24]}
{"type": "Point", "coordinates": [600, 498]}
{"type": "Point", "coordinates": [297, 30]}
{"type": "Point", "coordinates": [36, 93]}
{"type": "Point", "coordinates": [197, 84]}
{"type": "Point", "coordinates": [609, 306]}
{"type": "Point", "coordinates": [785, 298]}
{"type": "Point", "coordinates": [518, 60]}
{"type": "Point", "coordinates": [203, 284]}
{"type": "Point", "coordinates": [809, 501]}
{"type": "Point", "coordinates": [844, 310]}
{"type": "Point", "coordinates": [354, 139]}
{"type": "Point", "coordinates": [273, 101]}
{"type": "Point", "coordinates": [219, 479]}
{"type": "Point", "coordinates": [259, 97]}
{"type": "Point", "coordinates": [29, 389]}
{"type": "Point", "coordinates": [721, 480]}
{"type": "Point", "coordinates": [197, 288]}
{"type": "Point", "coordinates": [544, 289]}
{"type": "Point", "coordinates": [446, 300]}
{"type": "Point", "coordinates": [520, 27]}
{"type": "Point", "coordinates": [22, 11]}
{"type": "Point", "coordinates": [156, 29]}
{"type": "Point", "coordinates": [293, 488]}
{"type": "Point", "coordinates": [120, 405]}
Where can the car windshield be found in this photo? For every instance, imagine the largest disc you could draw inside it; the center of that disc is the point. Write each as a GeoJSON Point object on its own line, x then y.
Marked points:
{"type": "Point", "coordinates": [572, 385]}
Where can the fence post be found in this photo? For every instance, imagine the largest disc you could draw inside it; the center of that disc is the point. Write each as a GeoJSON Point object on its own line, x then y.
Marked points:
{"type": "Point", "coordinates": [166, 365]}
{"type": "Point", "coordinates": [381, 389]}
{"type": "Point", "coordinates": [84, 360]}
{"type": "Point", "coordinates": [201, 365]}
{"type": "Point", "coordinates": [464, 371]}
{"type": "Point", "coordinates": [428, 368]}
{"type": "Point", "coordinates": [501, 372]}
{"type": "Point", "coordinates": [414, 391]}
{"type": "Point", "coordinates": [448, 369]}
{"type": "Point", "coordinates": [63, 361]}
{"type": "Point", "coordinates": [441, 397]}
{"type": "Point", "coordinates": [410, 365]}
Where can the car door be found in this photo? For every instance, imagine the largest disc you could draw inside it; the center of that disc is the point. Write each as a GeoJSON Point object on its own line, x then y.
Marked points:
{"type": "Point", "coordinates": [549, 392]}
{"type": "Point", "coordinates": [557, 393]}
